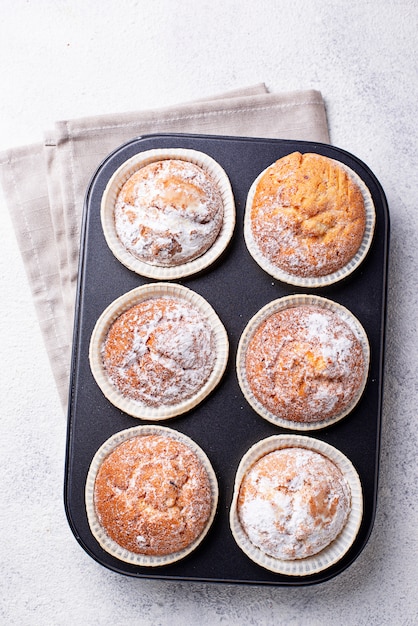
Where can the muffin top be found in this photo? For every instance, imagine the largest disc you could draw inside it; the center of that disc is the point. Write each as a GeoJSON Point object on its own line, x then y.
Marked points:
{"type": "Point", "coordinates": [305, 364]}
{"type": "Point", "coordinates": [307, 215]}
{"type": "Point", "coordinates": [168, 212]}
{"type": "Point", "coordinates": [159, 352]}
{"type": "Point", "coordinates": [293, 503]}
{"type": "Point", "coordinates": [152, 495]}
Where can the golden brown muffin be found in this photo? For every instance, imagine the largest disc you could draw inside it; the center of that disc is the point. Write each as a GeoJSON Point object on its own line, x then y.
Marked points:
{"type": "Point", "coordinates": [152, 495]}
{"type": "Point", "coordinates": [293, 503]}
{"type": "Point", "coordinates": [159, 352]}
{"type": "Point", "coordinates": [168, 212]}
{"type": "Point", "coordinates": [307, 216]}
{"type": "Point", "coordinates": [305, 364]}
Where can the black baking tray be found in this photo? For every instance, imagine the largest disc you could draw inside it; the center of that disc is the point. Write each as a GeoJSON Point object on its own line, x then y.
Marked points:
{"type": "Point", "coordinates": [224, 425]}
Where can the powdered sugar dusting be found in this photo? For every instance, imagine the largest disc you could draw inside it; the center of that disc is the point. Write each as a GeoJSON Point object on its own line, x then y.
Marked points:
{"type": "Point", "coordinates": [293, 503]}
{"type": "Point", "coordinates": [169, 212]}
{"type": "Point", "coordinates": [305, 364]}
{"type": "Point", "coordinates": [159, 352]}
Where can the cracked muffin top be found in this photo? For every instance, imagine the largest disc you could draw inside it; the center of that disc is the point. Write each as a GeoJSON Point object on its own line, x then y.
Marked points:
{"type": "Point", "coordinates": [305, 364]}
{"type": "Point", "coordinates": [160, 351]}
{"type": "Point", "coordinates": [293, 502]}
{"type": "Point", "coordinates": [152, 495]}
{"type": "Point", "coordinates": [308, 215]}
{"type": "Point", "coordinates": [169, 212]}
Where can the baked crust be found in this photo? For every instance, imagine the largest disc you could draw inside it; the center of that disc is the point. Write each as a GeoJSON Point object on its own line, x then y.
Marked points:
{"type": "Point", "coordinates": [308, 216]}
{"type": "Point", "coordinates": [293, 503]}
{"type": "Point", "coordinates": [168, 212]}
{"type": "Point", "coordinates": [305, 364]}
{"type": "Point", "coordinates": [152, 495]}
{"type": "Point", "coordinates": [159, 352]}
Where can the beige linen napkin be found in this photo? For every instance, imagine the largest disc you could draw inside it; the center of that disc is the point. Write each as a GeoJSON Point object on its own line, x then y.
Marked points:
{"type": "Point", "coordinates": [44, 185]}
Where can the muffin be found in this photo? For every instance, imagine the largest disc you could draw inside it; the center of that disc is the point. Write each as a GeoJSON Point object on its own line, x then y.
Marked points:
{"type": "Point", "coordinates": [168, 213]}
{"type": "Point", "coordinates": [151, 495]}
{"type": "Point", "coordinates": [303, 362]}
{"type": "Point", "coordinates": [158, 351]}
{"type": "Point", "coordinates": [297, 504]}
{"type": "Point", "coordinates": [293, 502]}
{"type": "Point", "coordinates": [310, 219]}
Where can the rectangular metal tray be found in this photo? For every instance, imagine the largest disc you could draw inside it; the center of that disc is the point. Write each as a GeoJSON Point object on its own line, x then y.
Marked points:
{"type": "Point", "coordinates": [224, 425]}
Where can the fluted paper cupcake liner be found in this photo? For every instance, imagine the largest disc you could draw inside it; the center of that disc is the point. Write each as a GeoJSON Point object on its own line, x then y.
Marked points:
{"type": "Point", "coordinates": [124, 303]}
{"type": "Point", "coordinates": [313, 281]}
{"type": "Point", "coordinates": [337, 548]}
{"type": "Point", "coordinates": [97, 529]}
{"type": "Point", "coordinates": [132, 165]}
{"type": "Point", "coordinates": [279, 305]}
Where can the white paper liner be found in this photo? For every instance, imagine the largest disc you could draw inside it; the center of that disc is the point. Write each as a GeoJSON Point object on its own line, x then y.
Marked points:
{"type": "Point", "coordinates": [335, 550]}
{"type": "Point", "coordinates": [96, 528]}
{"type": "Point", "coordinates": [125, 302]}
{"type": "Point", "coordinates": [125, 171]}
{"type": "Point", "coordinates": [313, 281]}
{"type": "Point", "coordinates": [279, 305]}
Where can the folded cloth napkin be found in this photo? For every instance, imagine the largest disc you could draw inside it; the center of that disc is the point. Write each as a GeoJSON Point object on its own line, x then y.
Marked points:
{"type": "Point", "coordinates": [44, 185]}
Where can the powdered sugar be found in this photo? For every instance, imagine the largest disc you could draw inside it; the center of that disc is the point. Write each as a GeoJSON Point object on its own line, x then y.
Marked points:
{"type": "Point", "coordinates": [153, 495]}
{"type": "Point", "coordinates": [334, 337]}
{"type": "Point", "coordinates": [305, 364]}
{"type": "Point", "coordinates": [159, 352]}
{"type": "Point", "coordinates": [168, 212]}
{"type": "Point", "coordinates": [293, 502]}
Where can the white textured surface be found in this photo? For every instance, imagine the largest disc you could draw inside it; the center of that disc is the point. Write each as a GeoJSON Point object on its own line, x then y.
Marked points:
{"type": "Point", "coordinates": [71, 58]}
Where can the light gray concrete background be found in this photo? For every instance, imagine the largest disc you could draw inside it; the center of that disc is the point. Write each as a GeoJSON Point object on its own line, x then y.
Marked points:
{"type": "Point", "coordinates": [66, 59]}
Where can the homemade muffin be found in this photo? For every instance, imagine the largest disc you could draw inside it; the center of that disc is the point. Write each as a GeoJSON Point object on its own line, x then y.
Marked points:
{"type": "Point", "coordinates": [307, 215]}
{"type": "Point", "coordinates": [304, 363]}
{"type": "Point", "coordinates": [153, 495]}
{"type": "Point", "coordinates": [297, 504]}
{"type": "Point", "coordinates": [293, 502]}
{"type": "Point", "coordinates": [168, 212]}
{"type": "Point", "coordinates": [160, 351]}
